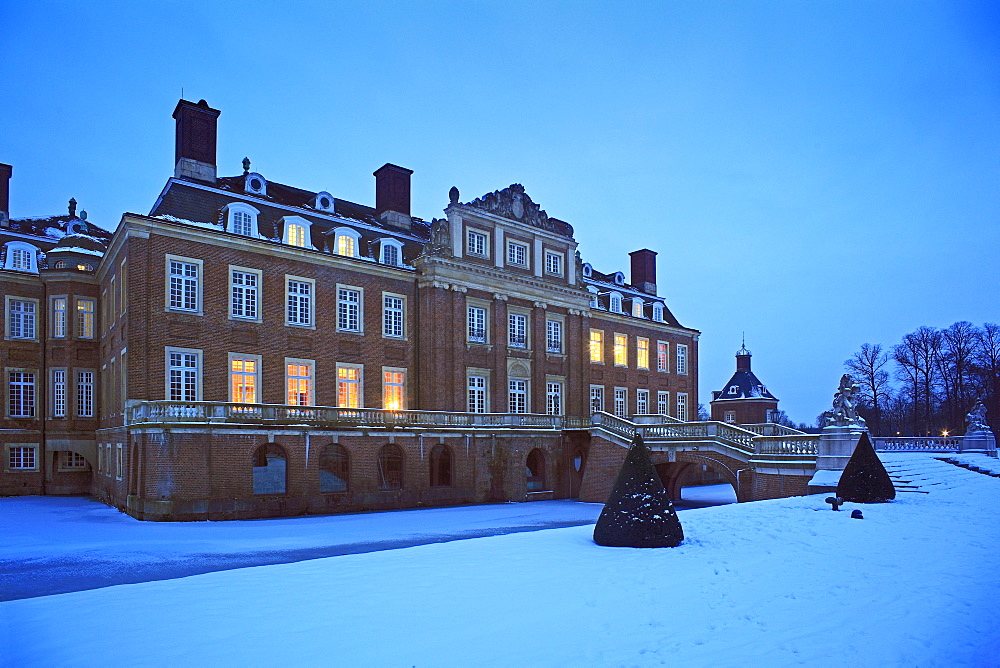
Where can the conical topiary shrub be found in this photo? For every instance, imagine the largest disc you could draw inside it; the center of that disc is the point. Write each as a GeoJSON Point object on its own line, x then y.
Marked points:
{"type": "Point", "coordinates": [638, 512]}
{"type": "Point", "coordinates": [864, 479]}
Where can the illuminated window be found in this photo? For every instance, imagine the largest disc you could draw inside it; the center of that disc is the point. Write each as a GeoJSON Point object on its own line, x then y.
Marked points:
{"type": "Point", "coordinates": [298, 374]}
{"type": "Point", "coordinates": [348, 386]}
{"type": "Point", "coordinates": [642, 353]}
{"type": "Point", "coordinates": [347, 242]}
{"type": "Point", "coordinates": [597, 346]}
{"type": "Point", "coordinates": [296, 235]}
{"type": "Point", "coordinates": [662, 359]}
{"type": "Point", "coordinates": [476, 394]}
{"type": "Point", "coordinates": [243, 379]}
{"type": "Point", "coordinates": [621, 350]}
{"type": "Point", "coordinates": [393, 389]}
{"type": "Point", "coordinates": [637, 308]}
{"type": "Point", "coordinates": [642, 402]}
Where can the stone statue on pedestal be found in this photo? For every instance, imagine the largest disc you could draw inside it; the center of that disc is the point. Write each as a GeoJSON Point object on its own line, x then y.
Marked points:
{"type": "Point", "coordinates": [845, 412]}
{"type": "Point", "coordinates": [975, 421]}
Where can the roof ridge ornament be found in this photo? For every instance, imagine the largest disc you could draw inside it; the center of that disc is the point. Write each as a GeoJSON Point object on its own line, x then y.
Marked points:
{"type": "Point", "coordinates": [513, 203]}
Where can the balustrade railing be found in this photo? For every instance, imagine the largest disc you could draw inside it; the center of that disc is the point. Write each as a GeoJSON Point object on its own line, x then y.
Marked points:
{"type": "Point", "coordinates": [771, 429]}
{"type": "Point", "coordinates": [794, 444]}
{"type": "Point", "coordinates": [917, 443]}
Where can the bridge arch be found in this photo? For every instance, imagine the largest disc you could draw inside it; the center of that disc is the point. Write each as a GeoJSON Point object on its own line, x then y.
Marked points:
{"type": "Point", "coordinates": [674, 474]}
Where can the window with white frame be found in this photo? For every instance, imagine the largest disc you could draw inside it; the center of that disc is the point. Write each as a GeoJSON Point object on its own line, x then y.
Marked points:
{"type": "Point", "coordinates": [621, 402]}
{"type": "Point", "coordinates": [21, 394]}
{"type": "Point", "coordinates": [637, 308]}
{"type": "Point", "coordinates": [295, 235]}
{"type": "Point", "coordinates": [349, 385]}
{"type": "Point", "coordinates": [299, 382]}
{"type": "Point", "coordinates": [244, 378]}
{"type": "Point", "coordinates": [553, 398]}
{"type": "Point", "coordinates": [20, 259]}
{"type": "Point", "coordinates": [184, 289]}
{"type": "Point", "coordinates": [390, 255]}
{"type": "Point", "coordinates": [21, 256]}
{"type": "Point", "coordinates": [477, 243]}
{"type": "Point", "coordinates": [682, 406]}
{"type": "Point", "coordinates": [553, 263]}
{"type": "Point", "coordinates": [59, 317]}
{"type": "Point", "coordinates": [641, 353]}
{"type": "Point", "coordinates": [730, 417]}
{"type": "Point", "coordinates": [517, 396]}
{"type": "Point", "coordinates": [22, 457]}
{"type": "Point", "coordinates": [299, 302]}
{"type": "Point", "coordinates": [476, 324]}
{"type": "Point", "coordinates": [183, 374]}
{"type": "Point", "coordinates": [662, 356]}
{"type": "Point", "coordinates": [597, 346]}
{"type": "Point", "coordinates": [554, 336]}
{"type": "Point", "coordinates": [621, 349]}
{"type": "Point", "coordinates": [119, 460]}
{"type": "Point", "coordinates": [393, 310]}
{"type": "Point", "coordinates": [242, 219]}
{"type": "Point", "coordinates": [244, 293]}
{"type": "Point", "coordinates": [347, 242]}
{"type": "Point", "coordinates": [658, 312]}
{"type": "Point", "coordinates": [476, 392]}
{"type": "Point", "coordinates": [21, 318]}
{"type": "Point", "coordinates": [642, 402]}
{"type": "Point", "coordinates": [69, 460]}
{"type": "Point", "coordinates": [615, 303]}
{"type": "Point", "coordinates": [517, 254]}
{"type": "Point", "coordinates": [59, 393]}
{"type": "Point", "coordinates": [682, 358]}
{"type": "Point", "coordinates": [85, 318]}
{"type": "Point", "coordinates": [517, 330]}
{"type": "Point", "coordinates": [663, 402]}
{"type": "Point", "coordinates": [85, 394]}
{"type": "Point", "coordinates": [348, 309]}
{"type": "Point", "coordinates": [393, 389]}
{"type": "Point", "coordinates": [596, 398]}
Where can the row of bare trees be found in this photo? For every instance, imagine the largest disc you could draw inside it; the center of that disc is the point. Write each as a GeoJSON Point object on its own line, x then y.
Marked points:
{"type": "Point", "coordinates": [927, 383]}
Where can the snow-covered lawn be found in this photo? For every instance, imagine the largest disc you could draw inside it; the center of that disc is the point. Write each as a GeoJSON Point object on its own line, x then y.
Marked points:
{"type": "Point", "coordinates": [773, 583]}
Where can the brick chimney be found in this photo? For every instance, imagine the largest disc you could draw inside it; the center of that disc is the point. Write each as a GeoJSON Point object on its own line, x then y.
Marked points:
{"type": "Point", "coordinates": [392, 195]}
{"type": "Point", "coordinates": [743, 359]}
{"type": "Point", "coordinates": [194, 152]}
{"type": "Point", "coordinates": [644, 270]}
{"type": "Point", "coordinates": [5, 172]}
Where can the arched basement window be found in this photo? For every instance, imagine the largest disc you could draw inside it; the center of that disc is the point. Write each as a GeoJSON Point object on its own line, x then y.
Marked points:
{"type": "Point", "coordinates": [334, 469]}
{"type": "Point", "coordinates": [390, 467]}
{"type": "Point", "coordinates": [535, 470]}
{"type": "Point", "coordinates": [270, 470]}
{"type": "Point", "coordinates": [441, 466]}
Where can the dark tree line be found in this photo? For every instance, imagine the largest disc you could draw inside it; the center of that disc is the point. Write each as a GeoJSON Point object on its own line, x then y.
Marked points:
{"type": "Point", "coordinates": [925, 385]}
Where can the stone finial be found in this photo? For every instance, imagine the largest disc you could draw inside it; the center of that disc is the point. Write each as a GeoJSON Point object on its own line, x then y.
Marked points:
{"type": "Point", "coordinates": [72, 206]}
{"type": "Point", "coordinates": [83, 215]}
{"type": "Point", "coordinates": [453, 195]}
{"type": "Point", "coordinates": [246, 166]}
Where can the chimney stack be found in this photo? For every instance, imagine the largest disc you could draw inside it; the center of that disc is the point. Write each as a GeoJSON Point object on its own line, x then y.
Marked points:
{"type": "Point", "coordinates": [5, 172]}
{"type": "Point", "coordinates": [392, 195]}
{"type": "Point", "coordinates": [194, 150]}
{"type": "Point", "coordinates": [644, 270]}
{"type": "Point", "coordinates": [743, 359]}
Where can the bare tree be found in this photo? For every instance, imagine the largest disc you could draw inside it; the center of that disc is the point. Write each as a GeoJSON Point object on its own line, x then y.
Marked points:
{"type": "Point", "coordinates": [986, 364]}
{"type": "Point", "coordinates": [917, 357]}
{"type": "Point", "coordinates": [960, 345]}
{"type": "Point", "coordinates": [868, 368]}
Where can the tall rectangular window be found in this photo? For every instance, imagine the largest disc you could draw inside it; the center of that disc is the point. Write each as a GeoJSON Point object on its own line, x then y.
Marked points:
{"type": "Point", "coordinates": [183, 375]}
{"type": "Point", "coordinates": [85, 393]}
{"type": "Point", "coordinates": [663, 402]}
{"type": "Point", "coordinates": [476, 243]}
{"type": "Point", "coordinates": [22, 457]}
{"type": "Point", "coordinates": [553, 398]}
{"type": "Point", "coordinates": [642, 353]}
{"type": "Point", "coordinates": [20, 259]}
{"type": "Point", "coordinates": [517, 394]}
{"type": "Point", "coordinates": [621, 402]}
{"type": "Point", "coordinates": [393, 389]}
{"type": "Point", "coordinates": [662, 359]}
{"type": "Point", "coordinates": [119, 460]}
{"type": "Point", "coordinates": [682, 359]}
{"type": "Point", "coordinates": [244, 297]}
{"type": "Point", "coordinates": [476, 394]}
{"type": "Point", "coordinates": [348, 310]}
{"type": "Point", "coordinates": [348, 386]}
{"type": "Point", "coordinates": [642, 402]}
{"type": "Point", "coordinates": [184, 287]}
{"type": "Point", "coordinates": [517, 330]}
{"type": "Point", "coordinates": [682, 406]}
{"type": "Point", "coordinates": [392, 316]}
{"type": "Point", "coordinates": [20, 319]}
{"type": "Point", "coordinates": [244, 379]}
{"type": "Point", "coordinates": [21, 394]}
{"type": "Point", "coordinates": [298, 374]}
{"type": "Point", "coordinates": [123, 299]}
{"type": "Point", "coordinates": [59, 393]}
{"type": "Point", "coordinates": [621, 349]}
{"type": "Point", "coordinates": [390, 255]}
{"type": "Point", "coordinates": [242, 223]}
{"type": "Point", "coordinates": [299, 303]}
{"type": "Point", "coordinates": [477, 324]}
{"type": "Point", "coordinates": [517, 254]}
{"type": "Point", "coordinates": [597, 346]}
{"type": "Point", "coordinates": [596, 398]}
{"type": "Point", "coordinates": [296, 235]}
{"type": "Point", "coordinates": [553, 336]}
{"type": "Point", "coordinates": [59, 318]}
{"type": "Point", "coordinates": [85, 318]}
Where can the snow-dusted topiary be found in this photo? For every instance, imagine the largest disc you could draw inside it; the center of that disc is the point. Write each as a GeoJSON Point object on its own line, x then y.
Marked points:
{"type": "Point", "coordinates": [865, 479]}
{"type": "Point", "coordinates": [638, 513]}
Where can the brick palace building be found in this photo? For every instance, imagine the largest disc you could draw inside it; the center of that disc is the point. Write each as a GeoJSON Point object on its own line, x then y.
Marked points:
{"type": "Point", "coordinates": [253, 349]}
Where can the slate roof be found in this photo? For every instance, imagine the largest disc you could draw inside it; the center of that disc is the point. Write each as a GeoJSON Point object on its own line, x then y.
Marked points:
{"type": "Point", "coordinates": [744, 384]}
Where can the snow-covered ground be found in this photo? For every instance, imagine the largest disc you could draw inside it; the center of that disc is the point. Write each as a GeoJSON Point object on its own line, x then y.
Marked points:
{"type": "Point", "coordinates": [784, 582]}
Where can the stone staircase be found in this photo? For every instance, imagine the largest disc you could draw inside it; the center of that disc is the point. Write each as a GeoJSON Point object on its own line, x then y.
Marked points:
{"type": "Point", "coordinates": [970, 467]}
{"type": "Point", "coordinates": [920, 473]}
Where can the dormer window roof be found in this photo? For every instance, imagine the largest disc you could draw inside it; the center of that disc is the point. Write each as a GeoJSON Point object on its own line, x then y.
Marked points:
{"type": "Point", "coordinates": [390, 252]}
{"type": "Point", "coordinates": [615, 303]}
{"type": "Point", "coordinates": [346, 242]}
{"type": "Point", "coordinates": [241, 218]}
{"type": "Point", "coordinates": [20, 256]}
{"type": "Point", "coordinates": [296, 232]}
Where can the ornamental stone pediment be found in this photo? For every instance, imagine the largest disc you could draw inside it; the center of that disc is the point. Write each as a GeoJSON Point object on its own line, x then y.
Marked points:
{"type": "Point", "coordinates": [515, 204]}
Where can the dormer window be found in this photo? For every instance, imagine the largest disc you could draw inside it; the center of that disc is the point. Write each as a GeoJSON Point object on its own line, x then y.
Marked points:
{"type": "Point", "coordinates": [241, 219]}
{"type": "Point", "coordinates": [255, 184]}
{"type": "Point", "coordinates": [615, 303]}
{"type": "Point", "coordinates": [21, 256]}
{"type": "Point", "coordinates": [296, 235]}
{"type": "Point", "coordinates": [637, 308]}
{"type": "Point", "coordinates": [733, 390]}
{"type": "Point", "coordinates": [658, 312]}
{"type": "Point", "coordinates": [323, 201]}
{"type": "Point", "coordinates": [594, 302]}
{"type": "Point", "coordinates": [390, 252]}
{"type": "Point", "coordinates": [619, 278]}
{"type": "Point", "coordinates": [346, 242]}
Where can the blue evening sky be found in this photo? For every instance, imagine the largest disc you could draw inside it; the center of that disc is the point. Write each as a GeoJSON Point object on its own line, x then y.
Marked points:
{"type": "Point", "coordinates": [816, 174]}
